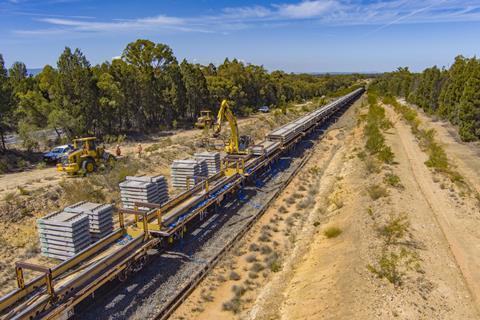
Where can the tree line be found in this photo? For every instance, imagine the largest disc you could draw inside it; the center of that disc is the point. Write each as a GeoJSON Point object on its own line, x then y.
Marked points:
{"type": "Point", "coordinates": [453, 93]}
{"type": "Point", "coordinates": [145, 90]}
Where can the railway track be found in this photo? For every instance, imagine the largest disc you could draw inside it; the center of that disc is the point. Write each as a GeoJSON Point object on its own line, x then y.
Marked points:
{"type": "Point", "coordinates": [187, 265]}
{"type": "Point", "coordinates": [166, 261]}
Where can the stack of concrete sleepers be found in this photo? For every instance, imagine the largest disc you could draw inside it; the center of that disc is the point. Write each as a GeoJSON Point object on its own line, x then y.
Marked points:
{"type": "Point", "coordinates": [306, 121]}
{"type": "Point", "coordinates": [265, 148]}
{"type": "Point", "coordinates": [285, 133]}
{"type": "Point", "coordinates": [212, 161]}
{"type": "Point", "coordinates": [186, 172]}
{"type": "Point", "coordinates": [143, 189]}
{"type": "Point", "coordinates": [100, 217]}
{"type": "Point", "coordinates": [63, 234]}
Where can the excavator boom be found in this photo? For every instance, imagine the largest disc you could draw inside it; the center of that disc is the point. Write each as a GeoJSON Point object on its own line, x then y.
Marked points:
{"type": "Point", "coordinates": [225, 113]}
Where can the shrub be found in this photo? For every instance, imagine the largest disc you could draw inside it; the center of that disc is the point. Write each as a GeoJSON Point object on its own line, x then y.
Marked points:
{"type": "Point", "coordinates": [306, 203]}
{"type": "Point", "coordinates": [254, 247]}
{"type": "Point", "coordinates": [9, 197]}
{"type": "Point", "coordinates": [395, 228]}
{"type": "Point", "coordinates": [393, 265]}
{"type": "Point", "coordinates": [257, 267]}
{"type": "Point", "coordinates": [386, 155]}
{"type": "Point", "coordinates": [251, 258]}
{"type": "Point", "coordinates": [265, 250]}
{"type": "Point", "coordinates": [372, 165]}
{"type": "Point", "coordinates": [376, 192]}
{"type": "Point", "coordinates": [362, 155]}
{"type": "Point", "coordinates": [238, 290]}
{"type": "Point", "coordinates": [437, 158]}
{"type": "Point", "coordinates": [232, 305]}
{"type": "Point", "coordinates": [393, 180]}
{"type": "Point", "coordinates": [234, 276]}
{"type": "Point", "coordinates": [332, 232]}
{"type": "Point", "coordinates": [264, 237]}
{"type": "Point", "coordinates": [290, 200]}
{"type": "Point", "coordinates": [273, 262]}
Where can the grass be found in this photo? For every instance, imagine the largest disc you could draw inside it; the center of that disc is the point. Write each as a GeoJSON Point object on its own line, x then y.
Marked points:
{"type": "Point", "coordinates": [377, 191]}
{"type": "Point", "coordinates": [337, 201]}
{"type": "Point", "coordinates": [76, 191]}
{"type": "Point", "coordinates": [23, 191]}
{"type": "Point", "coordinates": [9, 197]}
{"type": "Point", "coordinates": [332, 232]}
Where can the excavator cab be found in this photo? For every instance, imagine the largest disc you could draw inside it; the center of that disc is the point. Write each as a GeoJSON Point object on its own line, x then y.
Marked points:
{"type": "Point", "coordinates": [244, 143]}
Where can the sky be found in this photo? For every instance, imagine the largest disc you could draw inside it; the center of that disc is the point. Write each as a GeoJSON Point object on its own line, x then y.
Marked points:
{"type": "Point", "coordinates": [290, 35]}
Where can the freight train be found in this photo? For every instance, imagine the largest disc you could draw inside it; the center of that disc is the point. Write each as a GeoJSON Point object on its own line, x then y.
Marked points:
{"type": "Point", "coordinates": [55, 293]}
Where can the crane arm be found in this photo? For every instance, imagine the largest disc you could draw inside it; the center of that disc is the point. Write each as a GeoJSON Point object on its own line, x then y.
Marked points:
{"type": "Point", "coordinates": [225, 113]}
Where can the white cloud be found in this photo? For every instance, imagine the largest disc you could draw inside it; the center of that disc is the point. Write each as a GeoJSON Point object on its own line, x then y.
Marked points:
{"type": "Point", "coordinates": [306, 9]}
{"type": "Point", "coordinates": [327, 12]}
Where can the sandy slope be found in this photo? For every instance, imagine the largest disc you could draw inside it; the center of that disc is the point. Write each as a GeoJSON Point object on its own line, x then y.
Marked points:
{"type": "Point", "coordinates": [328, 278]}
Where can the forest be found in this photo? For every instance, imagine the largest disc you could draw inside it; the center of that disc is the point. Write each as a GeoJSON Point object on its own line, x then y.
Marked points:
{"type": "Point", "coordinates": [146, 90]}
{"type": "Point", "coordinates": [452, 94]}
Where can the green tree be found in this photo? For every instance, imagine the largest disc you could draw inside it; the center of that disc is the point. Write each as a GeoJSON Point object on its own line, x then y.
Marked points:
{"type": "Point", "coordinates": [469, 107]}
{"type": "Point", "coordinates": [5, 104]}
{"type": "Point", "coordinates": [76, 109]}
{"type": "Point", "coordinates": [197, 94]}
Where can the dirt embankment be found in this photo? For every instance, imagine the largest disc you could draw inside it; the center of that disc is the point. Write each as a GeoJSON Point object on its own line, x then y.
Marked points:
{"type": "Point", "coordinates": [406, 249]}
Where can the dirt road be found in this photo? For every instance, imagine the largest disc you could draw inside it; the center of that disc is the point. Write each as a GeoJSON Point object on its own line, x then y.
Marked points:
{"type": "Point", "coordinates": [465, 156]}
{"type": "Point", "coordinates": [457, 217]}
{"type": "Point", "coordinates": [40, 178]}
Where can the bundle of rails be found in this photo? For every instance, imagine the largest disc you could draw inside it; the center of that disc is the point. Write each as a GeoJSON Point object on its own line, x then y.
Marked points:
{"type": "Point", "coordinates": [58, 290]}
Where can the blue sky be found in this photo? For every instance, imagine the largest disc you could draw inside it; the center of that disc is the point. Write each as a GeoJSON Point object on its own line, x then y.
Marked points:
{"type": "Point", "coordinates": [292, 35]}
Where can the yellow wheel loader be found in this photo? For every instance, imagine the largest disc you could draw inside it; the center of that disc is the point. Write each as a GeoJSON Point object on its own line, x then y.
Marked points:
{"type": "Point", "coordinates": [85, 158]}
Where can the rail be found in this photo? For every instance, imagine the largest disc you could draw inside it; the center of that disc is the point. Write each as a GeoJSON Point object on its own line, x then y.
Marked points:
{"type": "Point", "coordinates": [78, 277]}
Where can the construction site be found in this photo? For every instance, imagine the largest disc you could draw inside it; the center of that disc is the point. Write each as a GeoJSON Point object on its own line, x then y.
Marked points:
{"type": "Point", "coordinates": [257, 229]}
{"type": "Point", "coordinates": [239, 160]}
{"type": "Point", "coordinates": [206, 220]}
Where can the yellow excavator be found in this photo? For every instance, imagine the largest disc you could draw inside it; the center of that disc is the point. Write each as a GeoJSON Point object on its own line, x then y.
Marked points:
{"type": "Point", "coordinates": [237, 145]}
